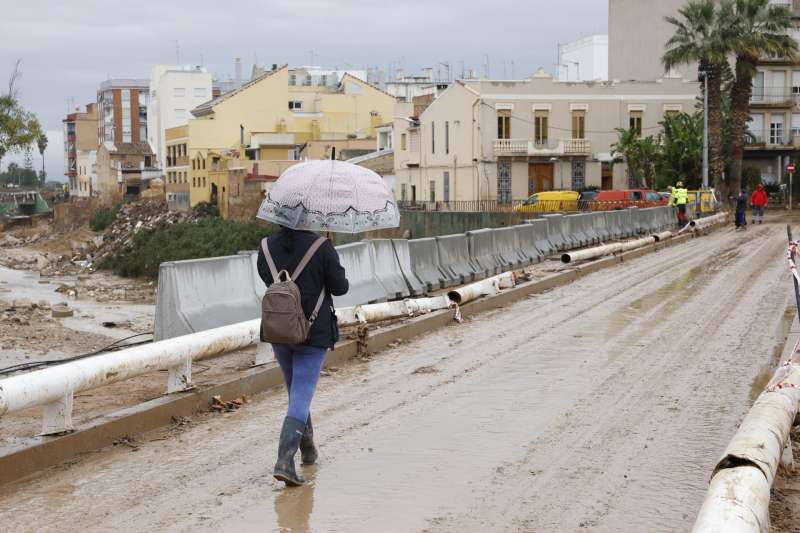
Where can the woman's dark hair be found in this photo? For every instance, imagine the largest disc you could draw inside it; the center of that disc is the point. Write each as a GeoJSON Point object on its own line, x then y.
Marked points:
{"type": "Point", "coordinates": [288, 239]}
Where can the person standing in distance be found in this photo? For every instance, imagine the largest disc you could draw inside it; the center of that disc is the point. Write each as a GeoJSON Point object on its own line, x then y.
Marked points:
{"type": "Point", "coordinates": [318, 274]}
{"type": "Point", "coordinates": [678, 198]}
{"type": "Point", "coordinates": [758, 201]}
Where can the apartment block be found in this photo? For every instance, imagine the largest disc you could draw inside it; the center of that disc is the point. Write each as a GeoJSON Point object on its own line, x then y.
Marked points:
{"type": "Point", "coordinates": [174, 92]}
{"type": "Point", "coordinates": [80, 142]}
{"type": "Point", "coordinates": [122, 111]}
{"type": "Point", "coordinates": [176, 167]}
{"type": "Point", "coordinates": [505, 140]}
{"type": "Point", "coordinates": [585, 59]}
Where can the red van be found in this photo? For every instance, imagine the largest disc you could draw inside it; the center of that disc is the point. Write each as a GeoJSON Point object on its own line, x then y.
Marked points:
{"type": "Point", "coordinates": [623, 198]}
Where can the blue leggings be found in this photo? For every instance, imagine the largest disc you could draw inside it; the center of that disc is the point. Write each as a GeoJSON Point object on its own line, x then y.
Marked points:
{"type": "Point", "coordinates": [300, 365]}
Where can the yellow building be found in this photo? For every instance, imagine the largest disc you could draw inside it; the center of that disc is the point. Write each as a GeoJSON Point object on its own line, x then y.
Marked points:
{"type": "Point", "coordinates": [267, 119]}
{"type": "Point", "coordinates": [176, 171]}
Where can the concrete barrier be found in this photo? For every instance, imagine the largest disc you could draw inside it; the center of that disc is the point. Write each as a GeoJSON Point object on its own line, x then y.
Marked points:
{"type": "Point", "coordinates": [543, 242]}
{"type": "Point", "coordinates": [387, 269]}
{"type": "Point", "coordinates": [614, 223]}
{"type": "Point", "coordinates": [556, 231]}
{"type": "Point", "coordinates": [403, 255]}
{"type": "Point", "coordinates": [636, 221]}
{"type": "Point", "coordinates": [359, 265]}
{"type": "Point", "coordinates": [455, 260]}
{"type": "Point", "coordinates": [426, 265]}
{"type": "Point", "coordinates": [509, 249]}
{"type": "Point", "coordinates": [573, 231]}
{"type": "Point", "coordinates": [626, 223]}
{"type": "Point", "coordinates": [587, 224]}
{"type": "Point", "coordinates": [526, 239]}
{"type": "Point", "coordinates": [200, 294]}
{"type": "Point", "coordinates": [601, 226]}
{"type": "Point", "coordinates": [483, 252]}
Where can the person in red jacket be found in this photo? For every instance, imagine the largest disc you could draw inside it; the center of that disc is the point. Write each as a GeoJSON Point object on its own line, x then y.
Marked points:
{"type": "Point", "coordinates": [758, 201]}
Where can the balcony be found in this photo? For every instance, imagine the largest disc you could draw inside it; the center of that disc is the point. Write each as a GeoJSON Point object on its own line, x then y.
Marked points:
{"type": "Point", "coordinates": [772, 97]}
{"type": "Point", "coordinates": [552, 147]}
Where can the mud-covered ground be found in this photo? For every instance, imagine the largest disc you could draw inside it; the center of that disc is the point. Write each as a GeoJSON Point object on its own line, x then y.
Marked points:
{"type": "Point", "coordinates": [598, 406]}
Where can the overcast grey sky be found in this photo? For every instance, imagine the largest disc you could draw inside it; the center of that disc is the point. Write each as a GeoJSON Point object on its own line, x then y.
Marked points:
{"type": "Point", "coordinates": [68, 48]}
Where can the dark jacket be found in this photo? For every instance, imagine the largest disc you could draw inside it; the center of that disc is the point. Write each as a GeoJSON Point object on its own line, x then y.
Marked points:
{"type": "Point", "coordinates": [741, 202]}
{"type": "Point", "coordinates": [287, 248]}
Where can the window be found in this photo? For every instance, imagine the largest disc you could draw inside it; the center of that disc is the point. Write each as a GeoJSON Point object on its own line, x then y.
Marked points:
{"type": "Point", "coordinates": [795, 126]}
{"type": "Point", "coordinates": [758, 87]}
{"type": "Point", "coordinates": [126, 95]}
{"type": "Point", "coordinates": [433, 137]}
{"type": "Point", "coordinates": [796, 82]}
{"type": "Point", "coordinates": [756, 127]}
{"type": "Point", "coordinates": [504, 181]}
{"type": "Point", "coordinates": [778, 85]}
{"type": "Point", "coordinates": [433, 190]}
{"type": "Point", "coordinates": [776, 129]}
{"type": "Point", "coordinates": [142, 132]}
{"type": "Point", "coordinates": [636, 196]}
{"type": "Point", "coordinates": [653, 197]}
{"type": "Point", "coordinates": [403, 192]}
{"type": "Point", "coordinates": [403, 142]}
{"type": "Point", "coordinates": [194, 164]}
{"type": "Point", "coordinates": [180, 114]}
{"type": "Point", "coordinates": [323, 80]}
{"type": "Point", "coordinates": [540, 126]}
{"type": "Point", "coordinates": [504, 124]}
{"type": "Point", "coordinates": [578, 174]}
{"type": "Point", "coordinates": [292, 79]}
{"type": "Point", "coordinates": [635, 122]}
{"type": "Point", "coordinates": [671, 113]}
{"type": "Point", "coordinates": [446, 184]}
{"type": "Point", "coordinates": [204, 181]}
{"type": "Point", "coordinates": [194, 182]}
{"type": "Point", "coordinates": [447, 137]}
{"type": "Point", "coordinates": [579, 124]}
{"type": "Point", "coordinates": [200, 92]}
{"type": "Point", "coordinates": [179, 92]}
{"type": "Point", "coordinates": [295, 104]}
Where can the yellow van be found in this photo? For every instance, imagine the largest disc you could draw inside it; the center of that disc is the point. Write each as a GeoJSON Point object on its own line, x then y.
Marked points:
{"type": "Point", "coordinates": [550, 202]}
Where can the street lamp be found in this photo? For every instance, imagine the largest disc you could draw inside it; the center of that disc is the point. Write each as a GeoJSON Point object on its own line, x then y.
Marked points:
{"type": "Point", "coordinates": [705, 72]}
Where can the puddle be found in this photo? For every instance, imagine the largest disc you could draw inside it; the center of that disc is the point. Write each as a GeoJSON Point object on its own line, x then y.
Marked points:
{"type": "Point", "coordinates": [768, 369]}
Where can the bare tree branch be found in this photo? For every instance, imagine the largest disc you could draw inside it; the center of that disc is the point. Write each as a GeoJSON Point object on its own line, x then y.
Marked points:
{"type": "Point", "coordinates": [16, 74]}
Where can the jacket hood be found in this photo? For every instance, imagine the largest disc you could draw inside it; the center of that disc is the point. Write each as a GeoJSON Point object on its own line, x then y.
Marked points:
{"type": "Point", "coordinates": [760, 187]}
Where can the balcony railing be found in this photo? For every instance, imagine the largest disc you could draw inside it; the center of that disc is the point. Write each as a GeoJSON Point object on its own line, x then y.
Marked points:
{"type": "Point", "coordinates": [522, 206]}
{"type": "Point", "coordinates": [772, 96]}
{"type": "Point", "coordinates": [531, 147]}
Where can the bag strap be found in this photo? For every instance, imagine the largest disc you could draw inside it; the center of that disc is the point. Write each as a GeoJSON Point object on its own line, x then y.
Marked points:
{"type": "Point", "coordinates": [270, 262]}
{"type": "Point", "coordinates": [306, 258]}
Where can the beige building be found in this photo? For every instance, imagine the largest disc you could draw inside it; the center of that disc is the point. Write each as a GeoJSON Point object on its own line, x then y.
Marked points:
{"type": "Point", "coordinates": [124, 169]}
{"type": "Point", "coordinates": [176, 167]}
{"type": "Point", "coordinates": [505, 140]}
{"type": "Point", "coordinates": [80, 149]}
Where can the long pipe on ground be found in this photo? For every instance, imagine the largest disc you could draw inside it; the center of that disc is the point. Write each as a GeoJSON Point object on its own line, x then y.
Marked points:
{"type": "Point", "coordinates": [738, 498]}
{"type": "Point", "coordinates": [608, 249]}
{"type": "Point", "coordinates": [662, 236]}
{"type": "Point", "coordinates": [485, 287]}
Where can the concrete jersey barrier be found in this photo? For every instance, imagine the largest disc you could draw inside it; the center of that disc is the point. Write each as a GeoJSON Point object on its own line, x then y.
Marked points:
{"type": "Point", "coordinates": [426, 265]}
{"type": "Point", "coordinates": [483, 252]}
{"type": "Point", "coordinates": [573, 232]}
{"type": "Point", "coordinates": [601, 226]}
{"type": "Point", "coordinates": [358, 262]}
{"type": "Point", "coordinates": [555, 231]}
{"type": "Point", "coordinates": [387, 269]}
{"type": "Point", "coordinates": [509, 252]}
{"type": "Point", "coordinates": [614, 222]}
{"type": "Point", "coordinates": [526, 237]}
{"type": "Point", "coordinates": [200, 294]}
{"type": "Point", "coordinates": [543, 242]}
{"type": "Point", "coordinates": [403, 255]}
{"type": "Point", "coordinates": [454, 259]}
{"type": "Point", "coordinates": [586, 223]}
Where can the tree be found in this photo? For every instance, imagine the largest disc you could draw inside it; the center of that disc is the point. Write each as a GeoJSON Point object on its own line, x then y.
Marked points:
{"type": "Point", "coordinates": [698, 38]}
{"type": "Point", "coordinates": [641, 155]}
{"type": "Point", "coordinates": [681, 151]}
{"type": "Point", "coordinates": [757, 29]}
{"type": "Point", "coordinates": [18, 127]}
{"type": "Point", "coordinates": [41, 143]}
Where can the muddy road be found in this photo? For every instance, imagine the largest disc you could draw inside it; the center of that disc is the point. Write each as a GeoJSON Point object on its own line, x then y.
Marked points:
{"type": "Point", "coordinates": [599, 406]}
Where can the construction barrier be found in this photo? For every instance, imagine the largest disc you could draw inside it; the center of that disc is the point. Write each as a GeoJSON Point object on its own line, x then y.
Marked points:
{"type": "Point", "coordinates": [387, 269]}
{"type": "Point", "coordinates": [556, 231]}
{"type": "Point", "coordinates": [586, 221]}
{"type": "Point", "coordinates": [403, 256]}
{"type": "Point", "coordinates": [359, 265]}
{"type": "Point", "coordinates": [601, 226]}
{"type": "Point", "coordinates": [426, 265]}
{"type": "Point", "coordinates": [482, 252]}
{"type": "Point", "coordinates": [454, 258]}
{"type": "Point", "coordinates": [526, 239]}
{"type": "Point", "coordinates": [543, 242]}
{"type": "Point", "coordinates": [507, 246]}
{"type": "Point", "coordinates": [573, 232]}
{"type": "Point", "coordinates": [614, 223]}
{"type": "Point", "coordinates": [200, 294]}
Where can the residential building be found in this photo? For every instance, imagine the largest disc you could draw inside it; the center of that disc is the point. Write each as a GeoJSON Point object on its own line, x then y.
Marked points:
{"type": "Point", "coordinates": [124, 169]}
{"type": "Point", "coordinates": [271, 120]}
{"type": "Point", "coordinates": [122, 111]}
{"type": "Point", "coordinates": [80, 140]}
{"type": "Point", "coordinates": [174, 92]}
{"type": "Point", "coordinates": [382, 163]}
{"type": "Point", "coordinates": [86, 179]}
{"type": "Point", "coordinates": [340, 149]}
{"type": "Point", "coordinates": [585, 59]}
{"type": "Point", "coordinates": [405, 88]}
{"type": "Point", "coordinates": [505, 140]}
{"type": "Point", "coordinates": [176, 167]}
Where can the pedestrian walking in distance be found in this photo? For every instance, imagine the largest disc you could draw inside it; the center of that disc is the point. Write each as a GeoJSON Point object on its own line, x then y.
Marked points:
{"type": "Point", "coordinates": [314, 266]}
{"type": "Point", "coordinates": [758, 201]}
{"type": "Point", "coordinates": [741, 211]}
{"type": "Point", "coordinates": [302, 272]}
{"type": "Point", "coordinates": [678, 198]}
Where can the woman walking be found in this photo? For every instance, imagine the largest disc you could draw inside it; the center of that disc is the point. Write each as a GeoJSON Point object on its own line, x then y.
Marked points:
{"type": "Point", "coordinates": [316, 271]}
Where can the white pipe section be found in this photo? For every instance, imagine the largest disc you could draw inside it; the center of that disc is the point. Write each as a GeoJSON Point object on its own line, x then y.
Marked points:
{"type": "Point", "coordinates": [54, 383]}
{"type": "Point", "coordinates": [485, 287]}
{"type": "Point", "coordinates": [709, 221]}
{"type": "Point", "coordinates": [737, 502]}
{"type": "Point", "coordinates": [638, 243]}
{"type": "Point", "coordinates": [591, 253]}
{"type": "Point", "coordinates": [663, 236]}
{"type": "Point", "coordinates": [346, 316]}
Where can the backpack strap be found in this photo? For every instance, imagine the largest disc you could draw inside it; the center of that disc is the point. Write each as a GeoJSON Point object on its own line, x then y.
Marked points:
{"type": "Point", "coordinates": [302, 265]}
{"type": "Point", "coordinates": [270, 262]}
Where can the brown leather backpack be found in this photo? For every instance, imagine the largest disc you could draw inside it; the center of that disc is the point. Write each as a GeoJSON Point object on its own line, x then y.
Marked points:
{"type": "Point", "coordinates": [282, 318]}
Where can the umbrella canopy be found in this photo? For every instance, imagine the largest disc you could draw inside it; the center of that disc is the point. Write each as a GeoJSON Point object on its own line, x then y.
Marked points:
{"type": "Point", "coordinates": [330, 196]}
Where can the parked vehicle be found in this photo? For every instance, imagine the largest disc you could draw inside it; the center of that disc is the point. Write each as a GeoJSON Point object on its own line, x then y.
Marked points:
{"type": "Point", "coordinates": [703, 201]}
{"type": "Point", "coordinates": [550, 202]}
{"type": "Point", "coordinates": [624, 198]}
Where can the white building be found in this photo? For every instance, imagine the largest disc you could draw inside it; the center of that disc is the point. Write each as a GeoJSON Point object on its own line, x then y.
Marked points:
{"type": "Point", "coordinates": [406, 88]}
{"type": "Point", "coordinates": [584, 60]}
{"type": "Point", "coordinates": [174, 91]}
{"type": "Point", "coordinates": [86, 179]}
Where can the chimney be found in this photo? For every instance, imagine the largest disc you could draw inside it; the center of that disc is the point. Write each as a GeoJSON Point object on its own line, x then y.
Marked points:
{"type": "Point", "coordinates": [237, 64]}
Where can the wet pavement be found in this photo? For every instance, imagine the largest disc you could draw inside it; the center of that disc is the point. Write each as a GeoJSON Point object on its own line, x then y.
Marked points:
{"type": "Point", "coordinates": [599, 406]}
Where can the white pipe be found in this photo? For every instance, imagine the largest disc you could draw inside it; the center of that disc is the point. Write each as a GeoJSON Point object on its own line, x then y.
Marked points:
{"type": "Point", "coordinates": [663, 236]}
{"type": "Point", "coordinates": [737, 502]}
{"type": "Point", "coordinates": [709, 221]}
{"type": "Point", "coordinates": [346, 316]}
{"type": "Point", "coordinates": [591, 253]}
{"type": "Point", "coordinates": [54, 383]}
{"type": "Point", "coordinates": [485, 287]}
{"type": "Point", "coordinates": [638, 243]}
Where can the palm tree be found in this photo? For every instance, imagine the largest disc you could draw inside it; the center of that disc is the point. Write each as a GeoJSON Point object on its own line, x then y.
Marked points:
{"type": "Point", "coordinates": [759, 30]}
{"type": "Point", "coordinates": [641, 154]}
{"type": "Point", "coordinates": [699, 38]}
{"type": "Point", "coordinates": [41, 143]}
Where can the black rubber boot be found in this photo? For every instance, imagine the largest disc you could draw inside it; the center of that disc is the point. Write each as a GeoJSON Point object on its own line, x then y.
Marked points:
{"type": "Point", "coordinates": [291, 433]}
{"type": "Point", "coordinates": [307, 449]}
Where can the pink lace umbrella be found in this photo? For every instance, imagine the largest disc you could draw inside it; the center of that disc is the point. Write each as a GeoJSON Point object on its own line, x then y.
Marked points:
{"type": "Point", "coordinates": [332, 196]}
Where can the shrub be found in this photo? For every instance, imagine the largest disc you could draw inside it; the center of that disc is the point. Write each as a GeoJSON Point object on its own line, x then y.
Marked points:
{"type": "Point", "coordinates": [103, 217]}
{"type": "Point", "coordinates": [209, 237]}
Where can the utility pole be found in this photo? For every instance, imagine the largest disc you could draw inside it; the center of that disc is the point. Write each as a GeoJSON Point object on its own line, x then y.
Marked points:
{"type": "Point", "coordinates": [704, 73]}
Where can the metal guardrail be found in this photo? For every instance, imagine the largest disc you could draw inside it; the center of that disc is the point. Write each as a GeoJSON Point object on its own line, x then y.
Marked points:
{"type": "Point", "coordinates": [520, 206]}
